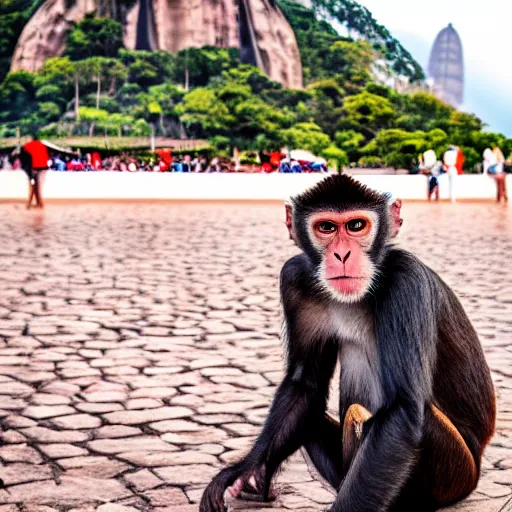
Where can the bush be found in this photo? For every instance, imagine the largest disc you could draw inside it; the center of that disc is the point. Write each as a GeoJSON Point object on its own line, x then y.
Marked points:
{"type": "Point", "coordinates": [371, 162]}
{"type": "Point", "coordinates": [94, 36]}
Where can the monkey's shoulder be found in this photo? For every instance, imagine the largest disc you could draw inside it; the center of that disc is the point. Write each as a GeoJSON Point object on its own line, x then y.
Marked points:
{"type": "Point", "coordinates": [402, 268]}
{"type": "Point", "coordinates": [407, 284]}
{"type": "Point", "coordinates": [297, 272]}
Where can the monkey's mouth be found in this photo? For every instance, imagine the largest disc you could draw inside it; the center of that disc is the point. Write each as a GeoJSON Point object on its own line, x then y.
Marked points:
{"type": "Point", "coordinates": [340, 278]}
{"type": "Point", "coordinates": [352, 286]}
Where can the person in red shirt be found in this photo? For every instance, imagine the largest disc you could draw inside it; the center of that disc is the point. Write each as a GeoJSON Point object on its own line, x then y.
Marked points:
{"type": "Point", "coordinates": [37, 162]}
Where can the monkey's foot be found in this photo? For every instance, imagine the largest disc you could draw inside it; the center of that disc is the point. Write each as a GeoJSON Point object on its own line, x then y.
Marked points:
{"type": "Point", "coordinates": [248, 489]}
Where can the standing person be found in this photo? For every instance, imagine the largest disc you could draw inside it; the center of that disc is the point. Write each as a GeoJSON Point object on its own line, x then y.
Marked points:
{"type": "Point", "coordinates": [450, 166]}
{"type": "Point", "coordinates": [429, 165]}
{"type": "Point", "coordinates": [498, 172]}
{"type": "Point", "coordinates": [489, 161]}
{"type": "Point", "coordinates": [38, 162]}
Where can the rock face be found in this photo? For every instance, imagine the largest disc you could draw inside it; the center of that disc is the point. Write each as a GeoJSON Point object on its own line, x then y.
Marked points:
{"type": "Point", "coordinates": [257, 27]}
{"type": "Point", "coordinates": [44, 36]}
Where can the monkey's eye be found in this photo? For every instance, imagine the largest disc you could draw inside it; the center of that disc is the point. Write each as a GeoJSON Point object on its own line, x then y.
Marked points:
{"type": "Point", "coordinates": [356, 225]}
{"type": "Point", "coordinates": [326, 227]}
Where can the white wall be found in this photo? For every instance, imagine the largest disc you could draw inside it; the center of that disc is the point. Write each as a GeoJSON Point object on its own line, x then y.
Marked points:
{"type": "Point", "coordinates": [116, 185]}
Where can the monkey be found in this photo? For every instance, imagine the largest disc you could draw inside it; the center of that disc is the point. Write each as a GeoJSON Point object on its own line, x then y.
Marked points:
{"type": "Point", "coordinates": [417, 404]}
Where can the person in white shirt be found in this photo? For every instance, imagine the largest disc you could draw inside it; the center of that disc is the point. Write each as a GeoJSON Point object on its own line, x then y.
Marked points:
{"type": "Point", "coordinates": [450, 162]}
{"type": "Point", "coordinates": [433, 168]}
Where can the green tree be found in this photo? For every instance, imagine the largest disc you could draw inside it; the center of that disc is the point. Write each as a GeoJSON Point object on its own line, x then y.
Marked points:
{"type": "Point", "coordinates": [17, 96]}
{"type": "Point", "coordinates": [326, 104]}
{"type": "Point", "coordinates": [335, 157]}
{"type": "Point", "coordinates": [203, 114]}
{"type": "Point", "coordinates": [368, 113]}
{"type": "Point", "coordinates": [352, 61]}
{"type": "Point", "coordinates": [94, 36]}
{"type": "Point", "coordinates": [115, 123]}
{"type": "Point", "coordinates": [147, 68]}
{"type": "Point", "coordinates": [421, 111]}
{"type": "Point", "coordinates": [400, 149]}
{"type": "Point", "coordinates": [93, 117]}
{"type": "Point", "coordinates": [195, 67]}
{"type": "Point", "coordinates": [48, 111]}
{"type": "Point", "coordinates": [308, 136]}
{"type": "Point", "coordinates": [56, 77]}
{"type": "Point", "coordinates": [351, 142]}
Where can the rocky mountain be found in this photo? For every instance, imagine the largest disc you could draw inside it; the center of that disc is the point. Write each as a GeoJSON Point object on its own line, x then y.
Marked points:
{"type": "Point", "coordinates": [257, 27]}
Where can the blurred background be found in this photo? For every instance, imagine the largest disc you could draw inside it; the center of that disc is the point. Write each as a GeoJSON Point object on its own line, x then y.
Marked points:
{"type": "Point", "coordinates": [367, 84]}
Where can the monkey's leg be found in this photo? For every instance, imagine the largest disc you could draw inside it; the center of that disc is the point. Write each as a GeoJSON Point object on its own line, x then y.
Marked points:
{"type": "Point", "coordinates": [325, 450]}
{"type": "Point", "coordinates": [353, 432]}
{"type": "Point", "coordinates": [446, 472]}
{"type": "Point", "coordinates": [333, 448]}
{"type": "Point", "coordinates": [453, 470]}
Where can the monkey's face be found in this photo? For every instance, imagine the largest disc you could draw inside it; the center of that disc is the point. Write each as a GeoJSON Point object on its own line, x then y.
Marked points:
{"type": "Point", "coordinates": [344, 240]}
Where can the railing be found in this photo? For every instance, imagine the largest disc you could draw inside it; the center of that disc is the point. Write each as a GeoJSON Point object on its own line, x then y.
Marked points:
{"type": "Point", "coordinates": [218, 186]}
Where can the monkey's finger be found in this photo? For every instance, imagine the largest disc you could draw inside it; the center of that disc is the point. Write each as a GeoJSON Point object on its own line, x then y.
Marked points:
{"type": "Point", "coordinates": [235, 489]}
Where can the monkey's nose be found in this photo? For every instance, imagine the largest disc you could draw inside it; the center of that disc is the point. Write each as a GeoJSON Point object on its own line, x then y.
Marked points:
{"type": "Point", "coordinates": [343, 260]}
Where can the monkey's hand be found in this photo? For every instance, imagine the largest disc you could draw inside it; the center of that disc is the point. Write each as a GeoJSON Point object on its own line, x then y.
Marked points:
{"type": "Point", "coordinates": [253, 486]}
{"type": "Point", "coordinates": [213, 496]}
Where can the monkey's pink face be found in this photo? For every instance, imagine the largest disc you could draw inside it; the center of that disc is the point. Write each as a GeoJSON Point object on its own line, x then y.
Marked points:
{"type": "Point", "coordinates": [345, 239]}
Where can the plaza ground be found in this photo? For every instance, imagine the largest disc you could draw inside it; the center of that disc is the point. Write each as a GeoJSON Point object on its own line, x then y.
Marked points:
{"type": "Point", "coordinates": [139, 347]}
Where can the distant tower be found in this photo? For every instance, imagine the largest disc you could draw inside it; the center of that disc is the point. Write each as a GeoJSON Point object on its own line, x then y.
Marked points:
{"type": "Point", "coordinates": [446, 67]}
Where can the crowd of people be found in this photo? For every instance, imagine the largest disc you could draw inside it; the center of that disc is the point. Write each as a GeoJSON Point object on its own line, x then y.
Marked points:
{"type": "Point", "coordinates": [452, 164]}
{"type": "Point", "coordinates": [165, 161]}
{"type": "Point", "coordinates": [34, 158]}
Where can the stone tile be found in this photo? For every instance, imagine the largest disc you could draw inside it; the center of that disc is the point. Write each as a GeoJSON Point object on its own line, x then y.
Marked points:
{"type": "Point", "coordinates": [157, 459]}
{"type": "Point", "coordinates": [46, 435]}
{"type": "Point", "coordinates": [21, 473]}
{"type": "Point", "coordinates": [140, 443]}
{"type": "Point", "coordinates": [143, 480]}
{"type": "Point", "coordinates": [115, 431]}
{"type": "Point", "coordinates": [201, 436]}
{"type": "Point", "coordinates": [40, 412]}
{"type": "Point", "coordinates": [152, 415]}
{"type": "Point", "coordinates": [12, 437]}
{"type": "Point", "coordinates": [187, 474]}
{"type": "Point", "coordinates": [77, 421]}
{"type": "Point", "coordinates": [20, 453]}
{"type": "Point", "coordinates": [167, 496]}
{"type": "Point", "coordinates": [143, 403]}
{"type": "Point", "coordinates": [114, 507]}
{"type": "Point", "coordinates": [71, 491]}
{"type": "Point", "coordinates": [58, 451]}
{"type": "Point", "coordinates": [98, 408]}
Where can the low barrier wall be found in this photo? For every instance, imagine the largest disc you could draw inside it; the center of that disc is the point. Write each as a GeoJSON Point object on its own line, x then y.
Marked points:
{"type": "Point", "coordinates": [217, 186]}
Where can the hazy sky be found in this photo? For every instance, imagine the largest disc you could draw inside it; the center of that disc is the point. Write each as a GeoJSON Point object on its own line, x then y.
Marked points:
{"type": "Point", "coordinates": [485, 28]}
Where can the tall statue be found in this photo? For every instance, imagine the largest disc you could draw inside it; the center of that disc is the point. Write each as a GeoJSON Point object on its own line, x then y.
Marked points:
{"type": "Point", "coordinates": [257, 27]}
{"type": "Point", "coordinates": [446, 67]}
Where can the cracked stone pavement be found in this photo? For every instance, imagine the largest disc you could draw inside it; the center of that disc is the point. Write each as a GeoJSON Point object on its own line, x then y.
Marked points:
{"type": "Point", "coordinates": [139, 347]}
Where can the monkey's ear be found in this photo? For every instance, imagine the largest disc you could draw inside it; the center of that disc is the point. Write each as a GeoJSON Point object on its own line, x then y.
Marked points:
{"type": "Point", "coordinates": [396, 221]}
{"type": "Point", "coordinates": [289, 220]}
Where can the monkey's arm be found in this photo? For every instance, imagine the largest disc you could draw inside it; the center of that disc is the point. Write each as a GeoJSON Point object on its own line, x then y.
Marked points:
{"type": "Point", "coordinates": [406, 330]}
{"type": "Point", "coordinates": [298, 403]}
